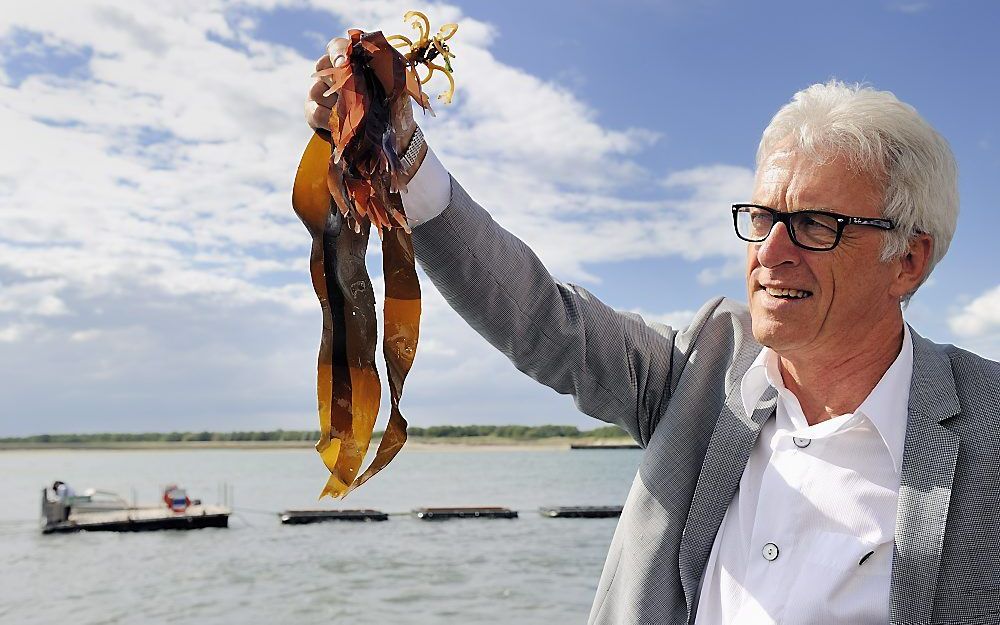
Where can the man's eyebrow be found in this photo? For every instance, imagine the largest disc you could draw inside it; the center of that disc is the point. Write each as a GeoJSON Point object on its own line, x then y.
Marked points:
{"type": "Point", "coordinates": [797, 209]}
{"type": "Point", "coordinates": [825, 208]}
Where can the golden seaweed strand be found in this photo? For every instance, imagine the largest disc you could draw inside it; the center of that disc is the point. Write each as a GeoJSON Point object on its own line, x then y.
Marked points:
{"type": "Point", "coordinates": [425, 49]}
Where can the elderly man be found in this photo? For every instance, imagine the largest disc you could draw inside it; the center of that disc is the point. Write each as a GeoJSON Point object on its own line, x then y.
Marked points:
{"type": "Point", "coordinates": [809, 458]}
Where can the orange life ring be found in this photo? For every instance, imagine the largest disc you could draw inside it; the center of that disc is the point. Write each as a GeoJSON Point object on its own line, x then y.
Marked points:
{"type": "Point", "coordinates": [176, 498]}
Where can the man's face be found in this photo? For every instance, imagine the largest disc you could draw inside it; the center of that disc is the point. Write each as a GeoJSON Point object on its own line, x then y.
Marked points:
{"type": "Point", "coordinates": [847, 287]}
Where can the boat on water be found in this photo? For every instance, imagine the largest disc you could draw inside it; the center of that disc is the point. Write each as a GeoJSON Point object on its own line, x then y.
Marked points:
{"type": "Point", "coordinates": [93, 500]}
{"type": "Point", "coordinates": [105, 511]}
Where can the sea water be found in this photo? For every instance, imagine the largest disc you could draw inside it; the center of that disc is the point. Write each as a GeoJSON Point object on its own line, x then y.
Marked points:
{"type": "Point", "coordinates": [530, 570]}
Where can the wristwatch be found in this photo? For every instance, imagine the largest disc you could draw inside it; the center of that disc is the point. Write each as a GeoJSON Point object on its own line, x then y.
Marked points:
{"type": "Point", "coordinates": [414, 153]}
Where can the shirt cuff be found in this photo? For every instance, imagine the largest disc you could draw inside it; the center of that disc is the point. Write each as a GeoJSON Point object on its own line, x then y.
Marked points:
{"type": "Point", "coordinates": [428, 192]}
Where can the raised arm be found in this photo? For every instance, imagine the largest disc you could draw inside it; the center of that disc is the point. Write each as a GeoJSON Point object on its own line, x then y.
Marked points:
{"type": "Point", "coordinates": [618, 368]}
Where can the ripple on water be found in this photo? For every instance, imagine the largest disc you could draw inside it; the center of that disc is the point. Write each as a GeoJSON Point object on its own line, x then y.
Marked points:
{"type": "Point", "coordinates": [531, 571]}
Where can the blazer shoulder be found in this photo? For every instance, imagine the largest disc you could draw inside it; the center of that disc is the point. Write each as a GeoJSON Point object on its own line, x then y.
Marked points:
{"type": "Point", "coordinates": [717, 318]}
{"type": "Point", "coordinates": [977, 382]}
{"type": "Point", "coordinates": [719, 341]}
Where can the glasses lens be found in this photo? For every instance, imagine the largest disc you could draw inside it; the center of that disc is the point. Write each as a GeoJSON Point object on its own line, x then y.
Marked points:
{"type": "Point", "coordinates": [753, 224]}
{"type": "Point", "coordinates": [814, 229]}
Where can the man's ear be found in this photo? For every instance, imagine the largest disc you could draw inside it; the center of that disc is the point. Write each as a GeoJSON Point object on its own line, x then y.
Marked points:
{"type": "Point", "coordinates": [913, 265]}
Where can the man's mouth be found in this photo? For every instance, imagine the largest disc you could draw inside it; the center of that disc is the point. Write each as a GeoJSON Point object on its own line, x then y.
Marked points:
{"type": "Point", "coordinates": [787, 293]}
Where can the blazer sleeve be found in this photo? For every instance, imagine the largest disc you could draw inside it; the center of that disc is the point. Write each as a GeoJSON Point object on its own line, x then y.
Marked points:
{"type": "Point", "coordinates": [617, 368]}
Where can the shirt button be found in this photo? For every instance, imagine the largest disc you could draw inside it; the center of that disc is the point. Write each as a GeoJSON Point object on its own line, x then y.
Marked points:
{"type": "Point", "coordinates": [770, 552]}
{"type": "Point", "coordinates": [801, 442]}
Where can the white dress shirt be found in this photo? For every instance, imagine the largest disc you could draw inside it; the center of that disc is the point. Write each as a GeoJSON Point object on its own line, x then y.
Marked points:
{"type": "Point", "coordinates": [808, 538]}
{"type": "Point", "coordinates": [428, 192]}
{"type": "Point", "coordinates": [813, 503]}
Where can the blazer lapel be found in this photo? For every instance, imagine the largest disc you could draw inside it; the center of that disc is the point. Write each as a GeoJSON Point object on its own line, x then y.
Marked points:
{"type": "Point", "coordinates": [725, 459]}
{"type": "Point", "coordinates": [929, 455]}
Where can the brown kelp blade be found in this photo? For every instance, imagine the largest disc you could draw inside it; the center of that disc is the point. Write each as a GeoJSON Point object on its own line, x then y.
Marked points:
{"type": "Point", "coordinates": [357, 331]}
{"type": "Point", "coordinates": [348, 387]}
{"type": "Point", "coordinates": [310, 195]}
{"type": "Point", "coordinates": [340, 194]}
{"type": "Point", "coordinates": [311, 201]}
{"type": "Point", "coordinates": [399, 341]}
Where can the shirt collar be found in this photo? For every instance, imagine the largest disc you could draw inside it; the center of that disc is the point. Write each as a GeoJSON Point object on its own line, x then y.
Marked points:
{"type": "Point", "coordinates": [754, 381]}
{"type": "Point", "coordinates": [886, 406]}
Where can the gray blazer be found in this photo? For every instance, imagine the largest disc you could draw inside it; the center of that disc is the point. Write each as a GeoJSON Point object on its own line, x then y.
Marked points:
{"type": "Point", "coordinates": [677, 393]}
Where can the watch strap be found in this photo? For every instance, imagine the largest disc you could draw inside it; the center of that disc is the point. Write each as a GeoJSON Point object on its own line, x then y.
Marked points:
{"type": "Point", "coordinates": [412, 156]}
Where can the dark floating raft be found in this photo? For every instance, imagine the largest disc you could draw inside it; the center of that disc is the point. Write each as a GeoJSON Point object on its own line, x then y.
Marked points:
{"type": "Point", "coordinates": [436, 514]}
{"type": "Point", "coordinates": [599, 446]}
{"type": "Point", "coordinates": [303, 517]}
{"type": "Point", "coordinates": [581, 512]}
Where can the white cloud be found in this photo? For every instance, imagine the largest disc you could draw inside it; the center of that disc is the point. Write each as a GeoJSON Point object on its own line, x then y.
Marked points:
{"type": "Point", "coordinates": [980, 317]}
{"type": "Point", "coordinates": [82, 336]}
{"type": "Point", "coordinates": [727, 271]}
{"type": "Point", "coordinates": [676, 319]}
{"type": "Point", "coordinates": [16, 332]}
{"type": "Point", "coordinates": [34, 298]}
{"type": "Point", "coordinates": [148, 240]}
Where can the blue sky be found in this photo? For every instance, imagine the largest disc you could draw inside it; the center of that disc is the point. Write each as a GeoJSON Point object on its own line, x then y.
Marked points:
{"type": "Point", "coordinates": [154, 278]}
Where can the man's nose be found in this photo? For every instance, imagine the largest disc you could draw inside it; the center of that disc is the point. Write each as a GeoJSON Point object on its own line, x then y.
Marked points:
{"type": "Point", "coordinates": [778, 248]}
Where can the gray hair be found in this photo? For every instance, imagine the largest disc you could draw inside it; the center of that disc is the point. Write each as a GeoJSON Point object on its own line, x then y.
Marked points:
{"type": "Point", "coordinates": [887, 139]}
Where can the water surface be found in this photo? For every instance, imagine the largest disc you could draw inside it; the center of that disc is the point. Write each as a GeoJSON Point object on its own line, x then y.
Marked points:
{"type": "Point", "coordinates": [532, 570]}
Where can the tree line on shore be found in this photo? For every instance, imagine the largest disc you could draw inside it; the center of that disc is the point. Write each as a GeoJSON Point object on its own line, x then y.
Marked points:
{"type": "Point", "coordinates": [515, 432]}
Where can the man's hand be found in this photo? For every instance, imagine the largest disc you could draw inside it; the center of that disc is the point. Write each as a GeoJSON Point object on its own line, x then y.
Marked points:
{"type": "Point", "coordinates": [320, 107]}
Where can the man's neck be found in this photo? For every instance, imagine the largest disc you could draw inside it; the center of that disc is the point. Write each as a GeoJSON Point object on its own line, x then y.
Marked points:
{"type": "Point", "coordinates": [836, 383]}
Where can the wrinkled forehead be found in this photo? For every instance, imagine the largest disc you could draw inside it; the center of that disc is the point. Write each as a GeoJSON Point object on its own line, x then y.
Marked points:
{"type": "Point", "coordinates": [792, 178]}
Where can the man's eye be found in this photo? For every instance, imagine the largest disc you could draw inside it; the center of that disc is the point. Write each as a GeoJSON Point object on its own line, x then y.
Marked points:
{"type": "Point", "coordinates": [816, 225]}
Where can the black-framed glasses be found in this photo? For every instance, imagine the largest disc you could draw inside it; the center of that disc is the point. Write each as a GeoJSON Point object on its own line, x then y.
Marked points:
{"type": "Point", "coordinates": [814, 230]}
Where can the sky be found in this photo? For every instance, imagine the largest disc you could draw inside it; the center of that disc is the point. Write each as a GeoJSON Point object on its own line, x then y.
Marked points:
{"type": "Point", "coordinates": [153, 276]}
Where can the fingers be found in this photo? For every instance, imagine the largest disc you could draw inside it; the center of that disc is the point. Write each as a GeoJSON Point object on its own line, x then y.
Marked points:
{"type": "Point", "coordinates": [319, 107]}
{"type": "Point", "coordinates": [316, 95]}
{"type": "Point", "coordinates": [336, 54]}
{"type": "Point", "coordinates": [336, 50]}
{"type": "Point", "coordinates": [317, 116]}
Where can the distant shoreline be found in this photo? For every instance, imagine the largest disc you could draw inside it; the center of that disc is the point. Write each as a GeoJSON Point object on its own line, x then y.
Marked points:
{"type": "Point", "coordinates": [420, 443]}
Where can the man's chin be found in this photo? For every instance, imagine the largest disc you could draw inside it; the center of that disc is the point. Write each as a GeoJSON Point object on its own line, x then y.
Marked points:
{"type": "Point", "coordinates": [775, 333]}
